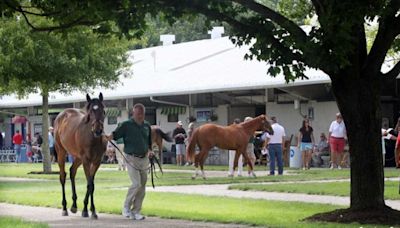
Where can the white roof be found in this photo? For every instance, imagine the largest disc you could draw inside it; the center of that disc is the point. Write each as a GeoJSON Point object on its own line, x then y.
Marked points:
{"type": "Point", "coordinates": [211, 65]}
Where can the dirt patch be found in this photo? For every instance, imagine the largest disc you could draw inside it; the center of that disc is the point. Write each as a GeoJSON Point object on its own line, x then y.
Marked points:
{"type": "Point", "coordinates": [381, 216]}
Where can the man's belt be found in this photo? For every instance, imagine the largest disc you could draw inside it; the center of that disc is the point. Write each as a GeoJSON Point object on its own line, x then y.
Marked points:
{"type": "Point", "coordinates": [139, 156]}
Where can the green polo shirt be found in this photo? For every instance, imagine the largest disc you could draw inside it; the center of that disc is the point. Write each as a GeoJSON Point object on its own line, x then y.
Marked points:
{"type": "Point", "coordinates": [251, 140]}
{"type": "Point", "coordinates": [137, 138]}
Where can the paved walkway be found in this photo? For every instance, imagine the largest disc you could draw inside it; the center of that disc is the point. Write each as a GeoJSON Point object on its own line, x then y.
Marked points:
{"type": "Point", "coordinates": [54, 219]}
{"type": "Point", "coordinates": [52, 216]}
{"type": "Point", "coordinates": [222, 190]}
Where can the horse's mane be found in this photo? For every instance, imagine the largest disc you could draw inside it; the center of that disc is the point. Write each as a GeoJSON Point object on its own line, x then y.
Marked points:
{"type": "Point", "coordinates": [254, 120]}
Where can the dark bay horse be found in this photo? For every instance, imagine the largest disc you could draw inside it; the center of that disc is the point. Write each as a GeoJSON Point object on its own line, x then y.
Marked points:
{"type": "Point", "coordinates": [232, 137]}
{"type": "Point", "coordinates": [157, 136]}
{"type": "Point", "coordinates": [80, 134]}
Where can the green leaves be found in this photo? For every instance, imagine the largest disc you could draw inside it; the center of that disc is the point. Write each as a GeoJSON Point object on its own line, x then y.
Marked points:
{"type": "Point", "coordinates": [77, 59]}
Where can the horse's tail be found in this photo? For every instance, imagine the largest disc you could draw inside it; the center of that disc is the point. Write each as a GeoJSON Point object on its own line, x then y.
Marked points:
{"type": "Point", "coordinates": [192, 145]}
{"type": "Point", "coordinates": [163, 135]}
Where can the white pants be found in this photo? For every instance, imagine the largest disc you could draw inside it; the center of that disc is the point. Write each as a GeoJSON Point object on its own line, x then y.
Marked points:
{"type": "Point", "coordinates": [232, 160]}
{"type": "Point", "coordinates": [120, 159]}
{"type": "Point", "coordinates": [137, 170]}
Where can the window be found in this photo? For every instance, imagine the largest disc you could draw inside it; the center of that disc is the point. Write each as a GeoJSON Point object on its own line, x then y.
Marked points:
{"type": "Point", "coordinates": [173, 118]}
{"type": "Point", "coordinates": [111, 120]}
{"type": "Point", "coordinates": [203, 115]}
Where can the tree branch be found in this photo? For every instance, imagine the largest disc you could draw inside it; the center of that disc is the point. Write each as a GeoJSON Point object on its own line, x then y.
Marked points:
{"type": "Point", "coordinates": [389, 28]}
{"type": "Point", "coordinates": [251, 29]}
{"type": "Point", "coordinates": [20, 9]}
{"type": "Point", "coordinates": [319, 8]}
{"type": "Point", "coordinates": [287, 24]}
{"type": "Point", "coordinates": [393, 73]}
{"type": "Point", "coordinates": [76, 22]}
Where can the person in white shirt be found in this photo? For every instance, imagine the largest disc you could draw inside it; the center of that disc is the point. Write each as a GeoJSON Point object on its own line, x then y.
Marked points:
{"type": "Point", "coordinates": [337, 142]}
{"type": "Point", "coordinates": [275, 147]}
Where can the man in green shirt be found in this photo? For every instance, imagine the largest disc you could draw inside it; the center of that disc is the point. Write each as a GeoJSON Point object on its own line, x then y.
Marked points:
{"type": "Point", "coordinates": [136, 134]}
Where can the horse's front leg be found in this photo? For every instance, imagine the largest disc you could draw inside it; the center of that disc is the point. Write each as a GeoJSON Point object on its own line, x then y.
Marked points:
{"type": "Point", "coordinates": [86, 168]}
{"type": "Point", "coordinates": [93, 170]}
{"type": "Point", "coordinates": [72, 174]}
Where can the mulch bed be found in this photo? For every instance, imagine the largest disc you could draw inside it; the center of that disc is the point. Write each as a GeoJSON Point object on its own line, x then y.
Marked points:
{"type": "Point", "coordinates": [383, 216]}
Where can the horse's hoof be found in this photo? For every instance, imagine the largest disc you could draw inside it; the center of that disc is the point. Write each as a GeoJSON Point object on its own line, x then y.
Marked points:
{"type": "Point", "coordinates": [85, 214]}
{"type": "Point", "coordinates": [64, 213]}
{"type": "Point", "coordinates": [74, 209]}
{"type": "Point", "coordinates": [94, 216]}
{"type": "Point", "coordinates": [193, 177]}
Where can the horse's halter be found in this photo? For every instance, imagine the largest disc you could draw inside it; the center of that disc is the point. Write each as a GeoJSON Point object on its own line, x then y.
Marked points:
{"type": "Point", "coordinates": [96, 114]}
{"type": "Point", "coordinates": [98, 121]}
{"type": "Point", "coordinates": [267, 126]}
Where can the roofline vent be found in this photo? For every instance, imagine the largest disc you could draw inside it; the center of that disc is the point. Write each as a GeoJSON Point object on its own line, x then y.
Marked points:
{"type": "Point", "coordinates": [167, 39]}
{"type": "Point", "coordinates": [216, 32]}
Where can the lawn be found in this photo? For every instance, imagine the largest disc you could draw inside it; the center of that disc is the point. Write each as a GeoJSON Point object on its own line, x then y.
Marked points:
{"type": "Point", "coordinates": [11, 222]}
{"type": "Point", "coordinates": [111, 189]}
{"type": "Point", "coordinates": [332, 188]}
{"type": "Point", "coordinates": [173, 205]}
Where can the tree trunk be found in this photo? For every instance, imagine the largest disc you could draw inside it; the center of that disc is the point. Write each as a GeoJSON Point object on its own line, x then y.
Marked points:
{"type": "Point", "coordinates": [358, 99]}
{"type": "Point", "coordinates": [45, 131]}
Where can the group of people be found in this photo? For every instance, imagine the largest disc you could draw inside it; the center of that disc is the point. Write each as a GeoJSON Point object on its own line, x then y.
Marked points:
{"type": "Point", "coordinates": [33, 147]}
{"type": "Point", "coordinates": [274, 145]}
{"type": "Point", "coordinates": [335, 143]}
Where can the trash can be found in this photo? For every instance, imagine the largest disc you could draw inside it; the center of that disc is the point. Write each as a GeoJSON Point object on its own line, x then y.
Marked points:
{"type": "Point", "coordinates": [295, 157]}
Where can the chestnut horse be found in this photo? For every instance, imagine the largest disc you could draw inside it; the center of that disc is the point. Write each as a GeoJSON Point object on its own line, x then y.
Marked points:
{"type": "Point", "coordinates": [232, 137]}
{"type": "Point", "coordinates": [157, 136]}
{"type": "Point", "coordinates": [80, 134]}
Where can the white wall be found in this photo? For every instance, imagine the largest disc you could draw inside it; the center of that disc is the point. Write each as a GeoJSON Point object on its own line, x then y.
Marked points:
{"type": "Point", "coordinates": [291, 120]}
{"type": "Point", "coordinates": [241, 113]}
{"type": "Point", "coordinates": [110, 128]}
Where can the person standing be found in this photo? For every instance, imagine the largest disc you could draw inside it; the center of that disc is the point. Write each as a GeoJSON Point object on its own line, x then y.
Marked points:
{"type": "Point", "coordinates": [53, 155]}
{"type": "Point", "coordinates": [17, 141]}
{"type": "Point", "coordinates": [190, 131]}
{"type": "Point", "coordinates": [1, 140]}
{"type": "Point", "coordinates": [337, 134]}
{"type": "Point", "coordinates": [232, 158]}
{"type": "Point", "coordinates": [276, 146]}
{"type": "Point", "coordinates": [136, 134]}
{"type": "Point", "coordinates": [250, 150]}
{"type": "Point", "coordinates": [305, 143]}
{"type": "Point", "coordinates": [29, 152]}
{"type": "Point", "coordinates": [179, 135]}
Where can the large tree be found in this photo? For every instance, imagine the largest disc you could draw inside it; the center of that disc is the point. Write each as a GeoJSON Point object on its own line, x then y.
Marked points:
{"type": "Point", "coordinates": [337, 46]}
{"type": "Point", "coordinates": [38, 62]}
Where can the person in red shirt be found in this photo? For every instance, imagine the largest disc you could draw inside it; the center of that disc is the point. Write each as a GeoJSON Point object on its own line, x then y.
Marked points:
{"type": "Point", "coordinates": [17, 141]}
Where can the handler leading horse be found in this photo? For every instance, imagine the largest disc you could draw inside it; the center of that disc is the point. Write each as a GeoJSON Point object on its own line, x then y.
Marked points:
{"type": "Point", "coordinates": [232, 137]}
{"type": "Point", "coordinates": [81, 135]}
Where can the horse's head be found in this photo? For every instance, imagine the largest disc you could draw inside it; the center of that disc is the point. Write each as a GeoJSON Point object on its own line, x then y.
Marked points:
{"type": "Point", "coordinates": [95, 114]}
{"type": "Point", "coordinates": [265, 124]}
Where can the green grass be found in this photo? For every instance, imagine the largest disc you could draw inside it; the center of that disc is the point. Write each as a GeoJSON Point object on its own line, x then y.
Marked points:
{"type": "Point", "coordinates": [12, 222]}
{"type": "Point", "coordinates": [332, 188]}
{"type": "Point", "coordinates": [173, 205]}
{"type": "Point", "coordinates": [111, 190]}
{"type": "Point", "coordinates": [109, 174]}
